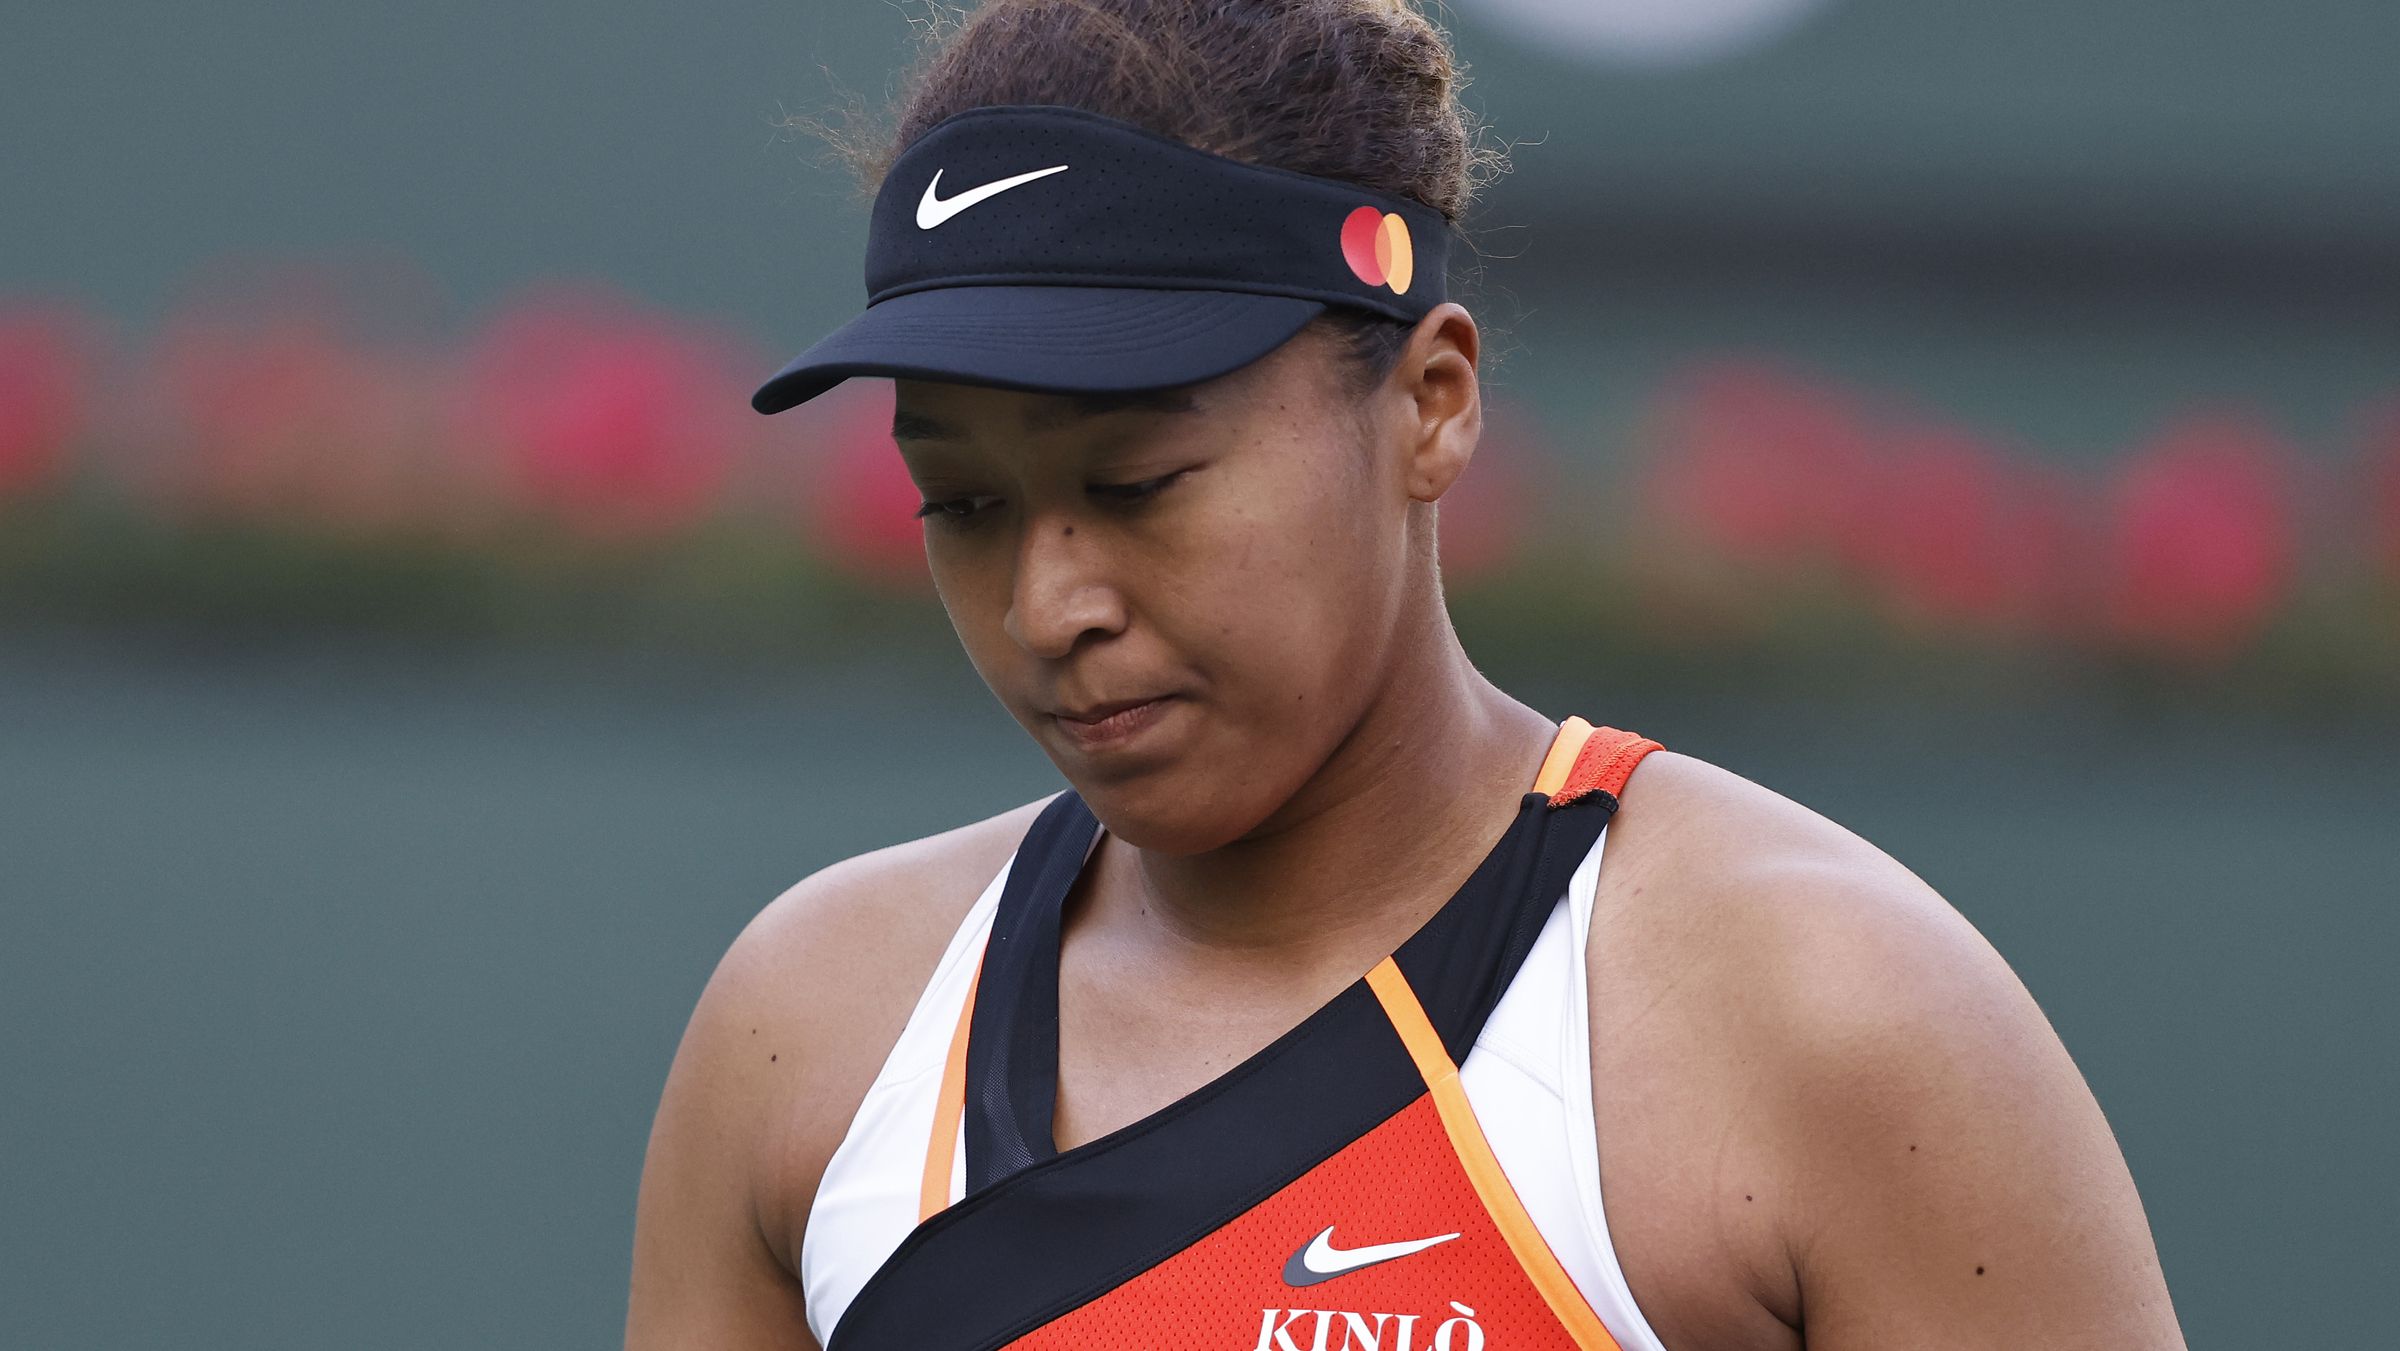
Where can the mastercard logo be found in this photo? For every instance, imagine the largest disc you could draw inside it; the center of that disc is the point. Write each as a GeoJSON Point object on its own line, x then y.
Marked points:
{"type": "Point", "coordinates": [1378, 249]}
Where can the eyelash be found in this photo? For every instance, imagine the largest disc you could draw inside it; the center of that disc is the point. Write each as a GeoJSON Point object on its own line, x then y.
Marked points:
{"type": "Point", "coordinates": [929, 510]}
{"type": "Point", "coordinates": [1119, 494]}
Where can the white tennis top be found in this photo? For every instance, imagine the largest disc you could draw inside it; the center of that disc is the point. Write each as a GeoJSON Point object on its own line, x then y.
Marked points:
{"type": "Point", "coordinates": [1529, 1078]}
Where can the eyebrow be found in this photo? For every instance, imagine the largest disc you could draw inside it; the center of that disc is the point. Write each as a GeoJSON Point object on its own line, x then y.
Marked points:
{"type": "Point", "coordinates": [907, 426]}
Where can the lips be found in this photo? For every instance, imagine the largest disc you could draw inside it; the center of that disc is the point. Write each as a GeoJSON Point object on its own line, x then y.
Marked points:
{"type": "Point", "coordinates": [1102, 723]}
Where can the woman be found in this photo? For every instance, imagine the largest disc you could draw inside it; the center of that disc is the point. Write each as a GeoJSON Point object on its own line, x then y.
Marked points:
{"type": "Point", "coordinates": [1309, 1019]}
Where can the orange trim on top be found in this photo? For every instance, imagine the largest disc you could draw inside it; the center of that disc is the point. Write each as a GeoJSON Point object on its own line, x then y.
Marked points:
{"type": "Point", "coordinates": [1498, 1194]}
{"type": "Point", "coordinates": [1565, 749]}
{"type": "Point", "coordinates": [949, 1108]}
{"type": "Point", "coordinates": [1604, 763]}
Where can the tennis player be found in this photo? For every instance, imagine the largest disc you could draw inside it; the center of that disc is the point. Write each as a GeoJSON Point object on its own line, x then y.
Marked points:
{"type": "Point", "coordinates": [1343, 1002]}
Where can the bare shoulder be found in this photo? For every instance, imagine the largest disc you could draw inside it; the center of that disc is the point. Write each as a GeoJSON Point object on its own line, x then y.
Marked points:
{"type": "Point", "coordinates": [1810, 916]}
{"type": "Point", "coordinates": [790, 1030]}
{"type": "Point", "coordinates": [816, 988]}
{"type": "Point", "coordinates": [843, 935]}
{"type": "Point", "coordinates": [1798, 937]}
{"type": "Point", "coordinates": [1896, 1140]}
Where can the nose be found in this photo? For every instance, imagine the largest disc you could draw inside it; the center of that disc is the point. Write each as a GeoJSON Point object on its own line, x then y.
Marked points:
{"type": "Point", "coordinates": [1060, 592]}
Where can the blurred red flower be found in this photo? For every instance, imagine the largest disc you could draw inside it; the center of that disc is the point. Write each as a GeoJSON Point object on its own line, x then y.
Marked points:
{"type": "Point", "coordinates": [258, 410]}
{"type": "Point", "coordinates": [618, 421]}
{"type": "Point", "coordinates": [1964, 536]}
{"type": "Point", "coordinates": [2200, 549]}
{"type": "Point", "coordinates": [2058, 529]}
{"type": "Point", "coordinates": [45, 368]}
{"type": "Point", "coordinates": [860, 504]}
{"type": "Point", "coordinates": [1762, 465]}
{"type": "Point", "coordinates": [282, 414]}
{"type": "Point", "coordinates": [306, 392]}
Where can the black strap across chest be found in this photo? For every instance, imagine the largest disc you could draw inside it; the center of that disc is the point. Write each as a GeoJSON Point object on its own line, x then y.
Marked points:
{"type": "Point", "coordinates": [1040, 1232]}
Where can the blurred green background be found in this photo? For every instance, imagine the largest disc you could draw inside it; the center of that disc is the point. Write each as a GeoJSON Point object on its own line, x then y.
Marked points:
{"type": "Point", "coordinates": [1979, 423]}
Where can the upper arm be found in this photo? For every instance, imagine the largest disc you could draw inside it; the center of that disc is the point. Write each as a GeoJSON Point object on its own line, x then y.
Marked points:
{"type": "Point", "coordinates": [1860, 1116]}
{"type": "Point", "coordinates": [704, 1272]}
{"type": "Point", "coordinates": [1955, 1184]}
{"type": "Point", "coordinates": [780, 1049]}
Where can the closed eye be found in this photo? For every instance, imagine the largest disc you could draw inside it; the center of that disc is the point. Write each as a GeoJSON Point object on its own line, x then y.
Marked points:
{"type": "Point", "coordinates": [1139, 491]}
{"type": "Point", "coordinates": [954, 508]}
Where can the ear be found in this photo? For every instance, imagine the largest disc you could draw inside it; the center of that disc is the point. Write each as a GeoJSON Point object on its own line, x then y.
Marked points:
{"type": "Point", "coordinates": [1442, 399]}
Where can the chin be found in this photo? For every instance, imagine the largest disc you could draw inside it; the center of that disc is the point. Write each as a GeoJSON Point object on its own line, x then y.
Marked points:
{"type": "Point", "coordinates": [1185, 785]}
{"type": "Point", "coordinates": [1156, 813]}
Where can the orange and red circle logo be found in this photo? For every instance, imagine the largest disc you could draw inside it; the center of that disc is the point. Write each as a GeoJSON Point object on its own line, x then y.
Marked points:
{"type": "Point", "coordinates": [1378, 249]}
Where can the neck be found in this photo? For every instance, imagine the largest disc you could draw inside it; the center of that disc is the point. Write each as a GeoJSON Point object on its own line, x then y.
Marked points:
{"type": "Point", "coordinates": [1378, 838]}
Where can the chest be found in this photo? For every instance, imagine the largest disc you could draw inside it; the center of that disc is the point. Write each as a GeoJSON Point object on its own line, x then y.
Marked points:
{"type": "Point", "coordinates": [1688, 1198]}
{"type": "Point", "coordinates": [1136, 1036]}
{"type": "Point", "coordinates": [1693, 1204]}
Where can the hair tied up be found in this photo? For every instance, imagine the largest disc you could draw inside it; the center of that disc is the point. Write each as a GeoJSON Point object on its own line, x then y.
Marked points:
{"type": "Point", "coordinates": [1366, 91]}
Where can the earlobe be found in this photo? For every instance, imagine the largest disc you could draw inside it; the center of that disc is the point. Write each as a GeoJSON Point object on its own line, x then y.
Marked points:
{"type": "Point", "coordinates": [1448, 400]}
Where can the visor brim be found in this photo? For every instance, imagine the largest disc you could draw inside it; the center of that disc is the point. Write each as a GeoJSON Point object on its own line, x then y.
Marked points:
{"type": "Point", "coordinates": [1054, 339]}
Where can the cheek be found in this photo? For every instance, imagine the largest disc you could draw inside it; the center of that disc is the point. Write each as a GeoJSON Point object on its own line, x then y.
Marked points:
{"type": "Point", "coordinates": [1288, 594]}
{"type": "Point", "coordinates": [964, 584]}
{"type": "Point", "coordinates": [974, 592]}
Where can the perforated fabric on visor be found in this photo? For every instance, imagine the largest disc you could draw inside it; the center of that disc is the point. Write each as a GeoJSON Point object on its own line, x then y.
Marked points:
{"type": "Point", "coordinates": [1044, 248]}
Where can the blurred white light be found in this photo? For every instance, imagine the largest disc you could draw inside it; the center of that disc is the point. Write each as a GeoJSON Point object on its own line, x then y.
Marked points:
{"type": "Point", "coordinates": [1647, 32]}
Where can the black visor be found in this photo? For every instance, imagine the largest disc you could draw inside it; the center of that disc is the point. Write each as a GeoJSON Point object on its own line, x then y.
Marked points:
{"type": "Point", "coordinates": [1045, 248]}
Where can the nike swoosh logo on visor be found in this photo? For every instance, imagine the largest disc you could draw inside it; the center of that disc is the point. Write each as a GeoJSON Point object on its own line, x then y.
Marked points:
{"type": "Point", "coordinates": [932, 211]}
{"type": "Point", "coordinates": [1321, 1261]}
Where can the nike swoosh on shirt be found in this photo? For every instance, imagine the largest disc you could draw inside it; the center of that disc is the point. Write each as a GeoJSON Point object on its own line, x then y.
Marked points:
{"type": "Point", "coordinates": [1321, 1261]}
{"type": "Point", "coordinates": [932, 211]}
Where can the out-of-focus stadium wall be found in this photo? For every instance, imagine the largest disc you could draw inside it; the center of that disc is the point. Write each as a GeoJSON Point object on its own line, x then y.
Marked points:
{"type": "Point", "coordinates": [2166, 197]}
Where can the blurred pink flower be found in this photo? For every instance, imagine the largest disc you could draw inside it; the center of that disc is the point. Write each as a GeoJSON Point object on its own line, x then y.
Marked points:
{"type": "Point", "coordinates": [2201, 544]}
{"type": "Point", "coordinates": [45, 369]}
{"type": "Point", "coordinates": [860, 504]}
{"type": "Point", "coordinates": [258, 410]}
{"type": "Point", "coordinates": [1938, 541]}
{"type": "Point", "coordinates": [280, 414]}
{"type": "Point", "coordinates": [1964, 536]}
{"type": "Point", "coordinates": [2058, 528]}
{"type": "Point", "coordinates": [621, 422]}
{"type": "Point", "coordinates": [1762, 465]}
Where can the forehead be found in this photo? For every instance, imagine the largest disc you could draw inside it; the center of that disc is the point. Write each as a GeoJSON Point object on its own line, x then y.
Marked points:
{"type": "Point", "coordinates": [930, 410]}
